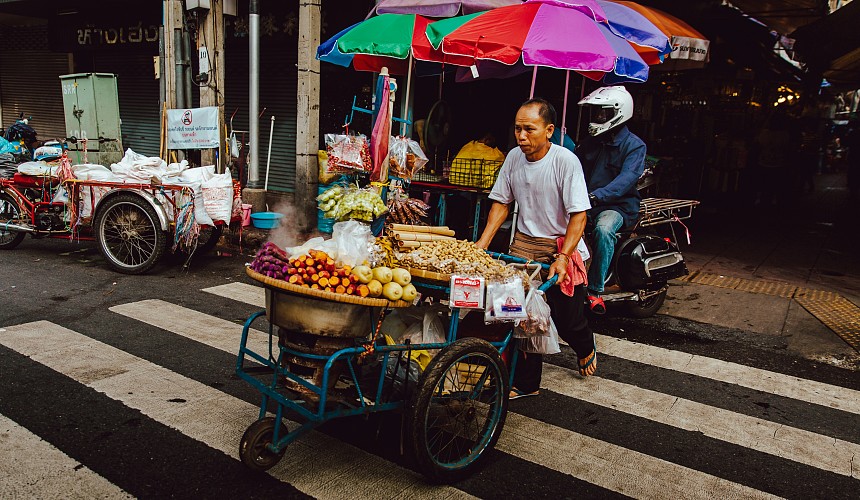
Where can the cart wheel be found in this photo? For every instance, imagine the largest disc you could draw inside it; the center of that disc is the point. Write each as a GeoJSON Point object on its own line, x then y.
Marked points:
{"type": "Point", "coordinates": [9, 211]}
{"type": "Point", "coordinates": [129, 234]}
{"type": "Point", "coordinates": [459, 409]}
{"type": "Point", "coordinates": [252, 448]}
{"type": "Point", "coordinates": [645, 308]}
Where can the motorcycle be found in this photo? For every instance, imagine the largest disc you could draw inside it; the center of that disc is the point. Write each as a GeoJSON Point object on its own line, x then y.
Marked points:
{"type": "Point", "coordinates": [642, 264]}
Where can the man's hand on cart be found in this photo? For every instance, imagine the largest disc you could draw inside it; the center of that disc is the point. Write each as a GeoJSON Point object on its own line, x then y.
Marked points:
{"type": "Point", "coordinates": [559, 267]}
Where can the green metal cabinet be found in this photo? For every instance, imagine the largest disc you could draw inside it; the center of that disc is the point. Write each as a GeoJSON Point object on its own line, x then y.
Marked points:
{"type": "Point", "coordinates": [91, 110]}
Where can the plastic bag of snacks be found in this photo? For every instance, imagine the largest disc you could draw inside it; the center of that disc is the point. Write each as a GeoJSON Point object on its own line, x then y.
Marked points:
{"type": "Point", "coordinates": [405, 210]}
{"type": "Point", "coordinates": [539, 315]}
{"type": "Point", "coordinates": [347, 153]}
{"type": "Point", "coordinates": [359, 204]}
{"type": "Point", "coordinates": [405, 157]}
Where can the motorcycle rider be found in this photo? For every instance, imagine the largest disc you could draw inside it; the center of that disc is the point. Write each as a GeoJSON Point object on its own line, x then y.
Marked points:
{"type": "Point", "coordinates": [613, 159]}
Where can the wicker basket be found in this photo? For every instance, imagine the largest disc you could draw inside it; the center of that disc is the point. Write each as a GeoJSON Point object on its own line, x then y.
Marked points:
{"type": "Point", "coordinates": [322, 294]}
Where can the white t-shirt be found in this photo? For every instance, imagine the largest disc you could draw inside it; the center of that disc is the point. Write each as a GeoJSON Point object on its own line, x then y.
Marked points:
{"type": "Point", "coordinates": [547, 191]}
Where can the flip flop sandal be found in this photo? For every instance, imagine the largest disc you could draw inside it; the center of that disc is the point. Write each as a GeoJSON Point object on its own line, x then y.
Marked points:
{"type": "Point", "coordinates": [517, 394]}
{"type": "Point", "coordinates": [588, 364]}
{"type": "Point", "coordinates": [596, 304]}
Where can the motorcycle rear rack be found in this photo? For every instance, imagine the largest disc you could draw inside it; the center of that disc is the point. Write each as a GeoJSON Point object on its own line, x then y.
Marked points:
{"type": "Point", "coordinates": [656, 211]}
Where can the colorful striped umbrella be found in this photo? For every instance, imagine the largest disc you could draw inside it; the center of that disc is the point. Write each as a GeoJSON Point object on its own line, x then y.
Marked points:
{"type": "Point", "coordinates": [554, 34]}
{"type": "Point", "coordinates": [387, 40]}
{"type": "Point", "coordinates": [438, 8]}
{"type": "Point", "coordinates": [688, 45]}
{"type": "Point", "coordinates": [649, 41]}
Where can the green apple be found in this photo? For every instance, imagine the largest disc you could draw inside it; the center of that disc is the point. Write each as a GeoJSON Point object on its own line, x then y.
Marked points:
{"type": "Point", "coordinates": [392, 291]}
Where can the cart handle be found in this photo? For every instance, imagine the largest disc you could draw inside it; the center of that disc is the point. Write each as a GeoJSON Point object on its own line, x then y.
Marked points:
{"type": "Point", "coordinates": [519, 260]}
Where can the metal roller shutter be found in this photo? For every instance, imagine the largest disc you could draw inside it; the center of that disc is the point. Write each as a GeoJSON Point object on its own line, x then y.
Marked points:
{"type": "Point", "coordinates": [138, 99]}
{"type": "Point", "coordinates": [278, 87]}
{"type": "Point", "coordinates": [29, 80]}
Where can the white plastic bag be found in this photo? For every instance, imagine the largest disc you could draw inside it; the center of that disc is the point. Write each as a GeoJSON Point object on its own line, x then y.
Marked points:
{"type": "Point", "coordinates": [194, 178]}
{"type": "Point", "coordinates": [505, 301]}
{"type": "Point", "coordinates": [539, 315]}
{"type": "Point", "coordinates": [542, 345]}
{"type": "Point", "coordinates": [352, 240]}
{"type": "Point", "coordinates": [37, 168]}
{"type": "Point", "coordinates": [217, 194]}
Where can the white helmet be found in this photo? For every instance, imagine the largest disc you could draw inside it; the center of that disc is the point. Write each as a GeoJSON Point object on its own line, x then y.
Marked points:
{"type": "Point", "coordinates": [617, 103]}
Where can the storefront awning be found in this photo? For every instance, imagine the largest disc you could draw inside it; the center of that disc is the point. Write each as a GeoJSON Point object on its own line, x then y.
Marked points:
{"type": "Point", "coordinates": [832, 45]}
{"type": "Point", "coordinates": [783, 16]}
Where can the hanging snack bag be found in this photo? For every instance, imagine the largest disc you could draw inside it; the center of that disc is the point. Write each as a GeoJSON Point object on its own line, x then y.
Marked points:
{"type": "Point", "coordinates": [509, 300]}
{"type": "Point", "coordinates": [347, 153]}
{"type": "Point", "coordinates": [405, 157]}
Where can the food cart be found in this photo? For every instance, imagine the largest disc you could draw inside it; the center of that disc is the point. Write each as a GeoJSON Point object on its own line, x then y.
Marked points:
{"type": "Point", "coordinates": [327, 355]}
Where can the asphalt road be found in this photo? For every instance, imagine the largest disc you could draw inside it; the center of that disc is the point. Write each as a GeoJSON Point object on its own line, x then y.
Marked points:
{"type": "Point", "coordinates": [117, 385]}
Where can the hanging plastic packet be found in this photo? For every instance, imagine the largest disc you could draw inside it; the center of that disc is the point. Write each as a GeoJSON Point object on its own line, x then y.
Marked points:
{"type": "Point", "coordinates": [542, 345]}
{"type": "Point", "coordinates": [505, 301]}
{"type": "Point", "coordinates": [537, 324]}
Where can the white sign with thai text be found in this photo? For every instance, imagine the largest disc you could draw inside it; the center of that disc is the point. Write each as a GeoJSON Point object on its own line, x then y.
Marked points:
{"type": "Point", "coordinates": [467, 292]}
{"type": "Point", "coordinates": [195, 128]}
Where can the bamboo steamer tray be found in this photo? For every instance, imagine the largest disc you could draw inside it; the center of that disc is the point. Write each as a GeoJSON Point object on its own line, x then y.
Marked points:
{"type": "Point", "coordinates": [322, 294]}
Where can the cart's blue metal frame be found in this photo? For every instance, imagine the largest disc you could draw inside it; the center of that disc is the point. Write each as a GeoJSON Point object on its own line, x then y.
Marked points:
{"type": "Point", "coordinates": [320, 412]}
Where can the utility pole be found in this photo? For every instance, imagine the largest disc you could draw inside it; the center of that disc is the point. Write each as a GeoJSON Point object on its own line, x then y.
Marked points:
{"type": "Point", "coordinates": [308, 113]}
{"type": "Point", "coordinates": [254, 192]}
{"type": "Point", "coordinates": [211, 36]}
{"type": "Point", "coordinates": [172, 21]}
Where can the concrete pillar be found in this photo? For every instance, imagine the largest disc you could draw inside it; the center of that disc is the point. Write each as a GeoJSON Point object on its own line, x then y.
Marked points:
{"type": "Point", "coordinates": [307, 114]}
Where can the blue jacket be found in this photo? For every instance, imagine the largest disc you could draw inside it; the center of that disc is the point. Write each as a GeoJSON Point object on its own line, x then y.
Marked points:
{"type": "Point", "coordinates": [613, 164]}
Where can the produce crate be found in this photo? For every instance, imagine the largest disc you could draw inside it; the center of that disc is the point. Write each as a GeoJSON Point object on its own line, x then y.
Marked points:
{"type": "Point", "coordinates": [474, 172]}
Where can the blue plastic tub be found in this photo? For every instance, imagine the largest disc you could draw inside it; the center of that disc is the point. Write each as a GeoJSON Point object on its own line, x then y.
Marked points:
{"type": "Point", "coordinates": [266, 220]}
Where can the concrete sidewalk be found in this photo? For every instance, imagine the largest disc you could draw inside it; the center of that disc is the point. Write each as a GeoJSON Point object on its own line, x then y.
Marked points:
{"type": "Point", "coordinates": [763, 269]}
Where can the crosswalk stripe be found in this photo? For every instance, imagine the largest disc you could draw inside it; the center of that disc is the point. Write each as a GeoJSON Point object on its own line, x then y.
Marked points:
{"type": "Point", "coordinates": [213, 417]}
{"type": "Point", "coordinates": [241, 292]}
{"type": "Point", "coordinates": [809, 448]}
{"type": "Point", "coordinates": [620, 469]}
{"type": "Point", "coordinates": [522, 432]}
{"type": "Point", "coordinates": [215, 332]}
{"type": "Point", "coordinates": [810, 391]}
{"type": "Point", "coordinates": [33, 468]}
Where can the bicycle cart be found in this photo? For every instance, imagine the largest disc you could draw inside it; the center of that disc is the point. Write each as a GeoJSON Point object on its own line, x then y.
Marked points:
{"type": "Point", "coordinates": [132, 223]}
{"type": "Point", "coordinates": [319, 366]}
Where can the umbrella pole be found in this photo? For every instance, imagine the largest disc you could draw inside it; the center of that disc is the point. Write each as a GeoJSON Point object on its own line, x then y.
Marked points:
{"type": "Point", "coordinates": [579, 115]}
{"type": "Point", "coordinates": [534, 78]}
{"type": "Point", "coordinates": [564, 108]}
{"type": "Point", "coordinates": [404, 114]}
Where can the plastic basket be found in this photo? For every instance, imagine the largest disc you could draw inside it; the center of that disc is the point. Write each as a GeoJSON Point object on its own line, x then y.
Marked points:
{"type": "Point", "coordinates": [474, 172]}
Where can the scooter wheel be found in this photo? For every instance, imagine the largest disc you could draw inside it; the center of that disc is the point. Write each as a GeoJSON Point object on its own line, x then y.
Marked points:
{"type": "Point", "coordinates": [645, 308]}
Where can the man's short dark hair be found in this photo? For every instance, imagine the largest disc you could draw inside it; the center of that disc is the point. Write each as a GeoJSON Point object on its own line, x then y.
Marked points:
{"type": "Point", "coordinates": [545, 109]}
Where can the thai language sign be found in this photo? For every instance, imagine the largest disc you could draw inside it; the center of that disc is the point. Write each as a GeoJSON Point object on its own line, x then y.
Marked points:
{"type": "Point", "coordinates": [467, 292]}
{"type": "Point", "coordinates": [195, 128]}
